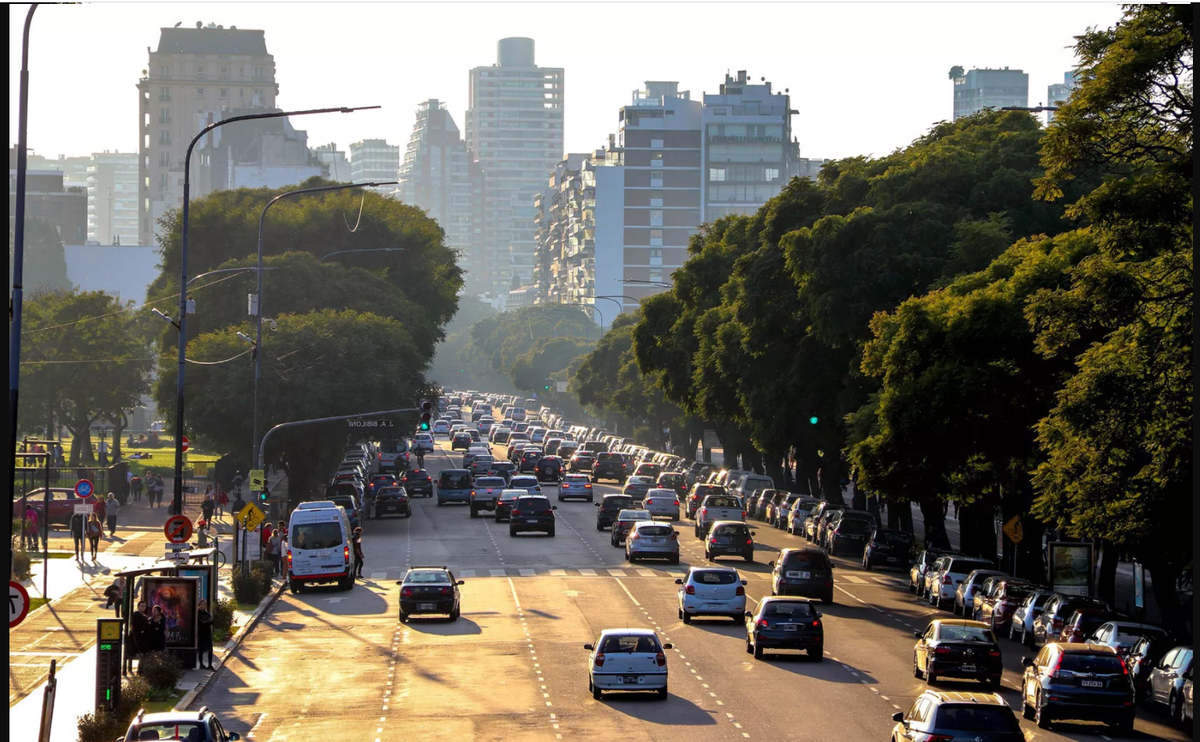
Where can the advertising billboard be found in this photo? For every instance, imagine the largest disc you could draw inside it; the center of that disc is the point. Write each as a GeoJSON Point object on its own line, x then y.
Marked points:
{"type": "Point", "coordinates": [1071, 567]}
{"type": "Point", "coordinates": [177, 596]}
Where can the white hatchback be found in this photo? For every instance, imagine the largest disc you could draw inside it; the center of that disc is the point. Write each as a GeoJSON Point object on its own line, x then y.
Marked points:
{"type": "Point", "coordinates": [661, 503]}
{"type": "Point", "coordinates": [627, 660]}
{"type": "Point", "coordinates": [712, 591]}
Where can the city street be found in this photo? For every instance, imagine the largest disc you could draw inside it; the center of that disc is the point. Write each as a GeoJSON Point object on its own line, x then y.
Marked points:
{"type": "Point", "coordinates": [326, 664]}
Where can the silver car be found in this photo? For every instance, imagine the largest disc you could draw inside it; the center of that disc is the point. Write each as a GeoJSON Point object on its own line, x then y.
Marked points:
{"type": "Point", "coordinates": [1021, 627]}
{"type": "Point", "coordinates": [711, 591]}
{"type": "Point", "coordinates": [648, 539]}
{"type": "Point", "coordinates": [661, 503]}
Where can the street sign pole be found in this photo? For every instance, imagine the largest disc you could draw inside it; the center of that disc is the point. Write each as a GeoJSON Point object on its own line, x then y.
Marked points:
{"type": "Point", "coordinates": [48, 704]}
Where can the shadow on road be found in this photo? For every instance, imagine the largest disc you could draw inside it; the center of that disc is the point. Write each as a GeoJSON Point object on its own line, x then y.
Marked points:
{"type": "Point", "coordinates": [647, 707]}
{"type": "Point", "coordinates": [443, 627]}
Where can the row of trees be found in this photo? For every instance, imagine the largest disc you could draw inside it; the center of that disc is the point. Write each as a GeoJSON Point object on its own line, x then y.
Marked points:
{"type": "Point", "coordinates": [997, 315]}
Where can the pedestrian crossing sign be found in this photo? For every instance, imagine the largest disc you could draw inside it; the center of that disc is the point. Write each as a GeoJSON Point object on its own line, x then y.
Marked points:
{"type": "Point", "coordinates": [1013, 530]}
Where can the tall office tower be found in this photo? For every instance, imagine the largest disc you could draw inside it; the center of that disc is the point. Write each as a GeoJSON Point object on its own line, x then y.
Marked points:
{"type": "Point", "coordinates": [1059, 93]}
{"type": "Point", "coordinates": [194, 74]}
{"type": "Point", "coordinates": [749, 150]}
{"type": "Point", "coordinates": [374, 160]}
{"type": "Point", "coordinates": [976, 90]}
{"type": "Point", "coordinates": [514, 128]}
{"type": "Point", "coordinates": [112, 193]}
{"type": "Point", "coordinates": [438, 175]}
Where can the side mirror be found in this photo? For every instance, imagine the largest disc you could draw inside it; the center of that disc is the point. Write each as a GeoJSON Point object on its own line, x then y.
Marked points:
{"type": "Point", "coordinates": [918, 634]}
{"type": "Point", "coordinates": [554, 507]}
{"type": "Point", "coordinates": [399, 582]}
{"type": "Point", "coordinates": [745, 583]}
{"type": "Point", "coordinates": [588, 647]}
{"type": "Point", "coordinates": [597, 504]}
{"type": "Point", "coordinates": [898, 716]}
{"type": "Point", "coordinates": [460, 582]}
{"type": "Point", "coordinates": [754, 533]}
{"type": "Point", "coordinates": [770, 564]}
{"type": "Point", "coordinates": [679, 581]}
{"type": "Point", "coordinates": [1026, 662]}
{"type": "Point", "coordinates": [234, 737]}
{"type": "Point", "coordinates": [668, 646]}
{"type": "Point", "coordinates": [819, 614]}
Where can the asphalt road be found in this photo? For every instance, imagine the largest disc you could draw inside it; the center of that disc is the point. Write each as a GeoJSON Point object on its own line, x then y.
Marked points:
{"type": "Point", "coordinates": [332, 665]}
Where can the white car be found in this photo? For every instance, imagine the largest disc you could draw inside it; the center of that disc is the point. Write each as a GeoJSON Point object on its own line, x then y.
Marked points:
{"type": "Point", "coordinates": [712, 591]}
{"type": "Point", "coordinates": [423, 442]}
{"type": "Point", "coordinates": [441, 427]}
{"type": "Point", "coordinates": [576, 485]}
{"type": "Point", "coordinates": [661, 503]}
{"type": "Point", "coordinates": [627, 660]}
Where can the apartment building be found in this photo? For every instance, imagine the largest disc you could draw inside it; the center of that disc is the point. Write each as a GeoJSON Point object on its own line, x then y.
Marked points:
{"type": "Point", "coordinates": [1059, 93]}
{"type": "Point", "coordinates": [975, 90]}
{"type": "Point", "coordinates": [46, 197]}
{"type": "Point", "coordinates": [374, 160]}
{"type": "Point", "coordinates": [112, 198]}
{"type": "Point", "coordinates": [334, 164]}
{"type": "Point", "coordinates": [564, 230]}
{"type": "Point", "coordinates": [193, 75]}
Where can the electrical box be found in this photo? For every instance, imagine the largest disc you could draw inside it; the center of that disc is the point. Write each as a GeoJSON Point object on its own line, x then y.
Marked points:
{"type": "Point", "coordinates": [191, 306]}
{"type": "Point", "coordinates": [252, 304]}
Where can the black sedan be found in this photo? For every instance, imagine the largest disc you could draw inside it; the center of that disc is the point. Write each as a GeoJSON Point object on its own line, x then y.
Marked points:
{"type": "Point", "coordinates": [417, 482]}
{"type": "Point", "coordinates": [1077, 681]}
{"type": "Point", "coordinates": [392, 501]}
{"type": "Point", "coordinates": [549, 469]}
{"type": "Point", "coordinates": [426, 590]}
{"type": "Point", "coordinates": [888, 548]}
{"type": "Point", "coordinates": [957, 649]}
{"type": "Point", "coordinates": [785, 623]}
{"type": "Point", "coordinates": [729, 538]}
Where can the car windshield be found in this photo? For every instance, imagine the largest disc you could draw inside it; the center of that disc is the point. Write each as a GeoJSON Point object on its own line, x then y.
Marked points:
{"type": "Point", "coordinates": [893, 538]}
{"type": "Point", "coordinates": [976, 718]}
{"type": "Point", "coordinates": [184, 730]}
{"type": "Point", "coordinates": [1087, 662]}
{"type": "Point", "coordinates": [952, 633]}
{"type": "Point", "coordinates": [788, 608]}
{"type": "Point", "coordinates": [714, 577]}
{"type": "Point", "coordinates": [855, 525]}
{"type": "Point", "coordinates": [427, 576]}
{"type": "Point", "coordinates": [628, 644]}
{"type": "Point", "coordinates": [315, 535]}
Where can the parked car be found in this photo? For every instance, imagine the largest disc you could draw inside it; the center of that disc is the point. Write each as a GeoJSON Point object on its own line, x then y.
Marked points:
{"type": "Point", "coordinates": [62, 504]}
{"type": "Point", "coordinates": [805, 572]}
{"type": "Point", "coordinates": [711, 591]}
{"type": "Point", "coordinates": [984, 593]}
{"type": "Point", "coordinates": [1165, 686]}
{"type": "Point", "coordinates": [798, 513]}
{"type": "Point", "coordinates": [1122, 635]}
{"type": "Point", "coordinates": [946, 716]}
{"type": "Point", "coordinates": [1049, 625]}
{"type": "Point", "coordinates": [1080, 625]}
{"type": "Point", "coordinates": [1020, 625]}
{"type": "Point", "coordinates": [785, 623]}
{"type": "Point", "coordinates": [964, 591]}
{"type": "Point", "coordinates": [888, 548]}
{"type": "Point", "coordinates": [950, 572]}
{"type": "Point", "coordinates": [1143, 657]}
{"type": "Point", "coordinates": [729, 538]}
{"type": "Point", "coordinates": [194, 726]}
{"type": "Point", "coordinates": [1077, 681]}
{"type": "Point", "coordinates": [916, 573]}
{"type": "Point", "coordinates": [652, 540]}
{"type": "Point", "coordinates": [997, 608]}
{"type": "Point", "coordinates": [850, 533]}
{"type": "Point", "coordinates": [957, 649]}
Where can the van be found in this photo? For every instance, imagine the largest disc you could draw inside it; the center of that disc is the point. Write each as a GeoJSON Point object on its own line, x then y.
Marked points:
{"type": "Point", "coordinates": [454, 485]}
{"type": "Point", "coordinates": [319, 546]}
{"type": "Point", "coordinates": [749, 484]}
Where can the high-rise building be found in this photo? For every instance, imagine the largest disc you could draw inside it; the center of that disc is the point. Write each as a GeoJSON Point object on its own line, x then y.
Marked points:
{"type": "Point", "coordinates": [74, 169]}
{"type": "Point", "coordinates": [1059, 93]}
{"type": "Point", "coordinates": [564, 230]}
{"type": "Point", "coordinates": [749, 151]}
{"type": "Point", "coordinates": [335, 161]}
{"type": "Point", "coordinates": [112, 198]}
{"type": "Point", "coordinates": [978, 89]}
{"type": "Point", "coordinates": [439, 176]}
{"type": "Point", "coordinates": [46, 197]}
{"type": "Point", "coordinates": [269, 153]}
{"type": "Point", "coordinates": [193, 75]}
{"type": "Point", "coordinates": [514, 128]}
{"type": "Point", "coordinates": [374, 160]}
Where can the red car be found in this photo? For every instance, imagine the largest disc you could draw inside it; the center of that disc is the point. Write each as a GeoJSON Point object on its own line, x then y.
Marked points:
{"type": "Point", "coordinates": [62, 503]}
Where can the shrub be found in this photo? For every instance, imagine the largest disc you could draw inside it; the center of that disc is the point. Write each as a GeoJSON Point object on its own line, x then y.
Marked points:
{"type": "Point", "coordinates": [20, 563]}
{"type": "Point", "coordinates": [162, 670]}
{"type": "Point", "coordinates": [100, 727]}
{"type": "Point", "coordinates": [222, 620]}
{"type": "Point", "coordinates": [263, 570]}
{"type": "Point", "coordinates": [247, 586]}
{"type": "Point", "coordinates": [135, 691]}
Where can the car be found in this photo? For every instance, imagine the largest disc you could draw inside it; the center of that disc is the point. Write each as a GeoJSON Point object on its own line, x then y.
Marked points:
{"type": "Point", "coordinates": [729, 538]}
{"type": "Point", "coordinates": [715, 508]}
{"type": "Point", "coordinates": [1187, 710]}
{"type": "Point", "coordinates": [349, 497]}
{"type": "Point", "coordinates": [624, 524]}
{"type": "Point", "coordinates": [1165, 686]}
{"type": "Point", "coordinates": [673, 481]}
{"type": "Point", "coordinates": [529, 459]}
{"type": "Point", "coordinates": [485, 492]}
{"type": "Point", "coordinates": [948, 572]}
{"type": "Point", "coordinates": [806, 572]}
{"type": "Point", "coordinates": [460, 441]}
{"type": "Point", "coordinates": [773, 505]}
{"type": "Point", "coordinates": [480, 464]}
{"type": "Point", "coordinates": [1080, 625]}
{"type": "Point", "coordinates": [1000, 605]}
{"type": "Point", "coordinates": [819, 517]}
{"type": "Point", "coordinates": [951, 715]}
{"type": "Point", "coordinates": [785, 623]}
{"type": "Point", "coordinates": [192, 726]}
{"type": "Point", "coordinates": [319, 546]}
{"type": "Point", "coordinates": [576, 486]}
{"type": "Point", "coordinates": [849, 533]}
{"type": "Point", "coordinates": [417, 482]}
{"type": "Point", "coordinates": [454, 485]}
{"type": "Point", "coordinates": [1122, 635]}
{"type": "Point", "coordinates": [503, 511]}
{"type": "Point", "coordinates": [696, 496]}
{"type": "Point", "coordinates": [985, 594]}
{"type": "Point", "coordinates": [525, 482]}
{"type": "Point", "coordinates": [648, 539]}
{"type": "Point", "coordinates": [609, 466]}
{"type": "Point", "coordinates": [515, 449]}
{"type": "Point", "coordinates": [957, 648]}
{"type": "Point", "coordinates": [1143, 657]}
{"type": "Point", "coordinates": [711, 591]}
{"type": "Point", "coordinates": [964, 591]}
{"type": "Point", "coordinates": [503, 469]}
{"type": "Point", "coordinates": [637, 486]}
{"type": "Point", "coordinates": [567, 449]}
{"type": "Point", "coordinates": [429, 590]}
{"type": "Point", "coordinates": [797, 513]}
{"type": "Point", "coordinates": [62, 504]}
{"type": "Point", "coordinates": [392, 501]}
{"type": "Point", "coordinates": [393, 455]}
{"type": "Point", "coordinates": [888, 547]}
{"type": "Point", "coordinates": [531, 513]}
{"type": "Point", "coordinates": [627, 660]}
{"type": "Point", "coordinates": [661, 503]}
{"type": "Point", "coordinates": [609, 506]}
{"type": "Point", "coordinates": [549, 469]}
{"type": "Point", "coordinates": [916, 573]}
{"type": "Point", "coordinates": [499, 434]}
{"type": "Point", "coordinates": [648, 470]}
{"type": "Point", "coordinates": [1078, 682]}
{"type": "Point", "coordinates": [784, 509]}
{"type": "Point", "coordinates": [1047, 627]}
{"type": "Point", "coordinates": [756, 504]}
{"type": "Point", "coordinates": [582, 461]}
{"type": "Point", "coordinates": [423, 442]}
{"type": "Point", "coordinates": [441, 427]}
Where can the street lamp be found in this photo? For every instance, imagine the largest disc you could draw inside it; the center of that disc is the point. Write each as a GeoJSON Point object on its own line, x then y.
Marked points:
{"type": "Point", "coordinates": [640, 282]}
{"type": "Point", "coordinates": [177, 498]}
{"type": "Point", "coordinates": [372, 249]}
{"type": "Point", "coordinates": [258, 297]}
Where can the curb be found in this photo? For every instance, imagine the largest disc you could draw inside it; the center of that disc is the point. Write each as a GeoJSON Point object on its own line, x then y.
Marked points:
{"type": "Point", "coordinates": [231, 646]}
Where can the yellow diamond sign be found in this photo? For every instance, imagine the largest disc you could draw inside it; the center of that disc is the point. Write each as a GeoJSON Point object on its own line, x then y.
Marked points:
{"type": "Point", "coordinates": [250, 516]}
{"type": "Point", "coordinates": [1013, 530]}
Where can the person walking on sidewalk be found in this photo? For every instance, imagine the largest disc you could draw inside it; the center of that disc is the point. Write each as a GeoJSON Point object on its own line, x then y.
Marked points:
{"type": "Point", "coordinates": [204, 639]}
{"type": "Point", "coordinates": [135, 488]}
{"type": "Point", "coordinates": [208, 504]}
{"type": "Point", "coordinates": [358, 551]}
{"type": "Point", "coordinates": [115, 594]}
{"type": "Point", "coordinates": [273, 544]}
{"type": "Point", "coordinates": [102, 449]}
{"type": "Point", "coordinates": [32, 522]}
{"type": "Point", "coordinates": [136, 636]}
{"type": "Point", "coordinates": [111, 506]}
{"type": "Point", "coordinates": [77, 528]}
{"type": "Point", "coordinates": [94, 532]}
{"type": "Point", "coordinates": [222, 500]}
{"type": "Point", "coordinates": [150, 488]}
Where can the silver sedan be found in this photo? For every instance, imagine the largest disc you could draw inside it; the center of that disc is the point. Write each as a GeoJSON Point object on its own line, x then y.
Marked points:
{"type": "Point", "coordinates": [661, 503]}
{"type": "Point", "coordinates": [652, 540]}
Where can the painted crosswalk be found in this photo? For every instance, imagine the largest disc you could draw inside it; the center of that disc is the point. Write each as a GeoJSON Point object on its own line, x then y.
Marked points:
{"type": "Point", "coordinates": [672, 572]}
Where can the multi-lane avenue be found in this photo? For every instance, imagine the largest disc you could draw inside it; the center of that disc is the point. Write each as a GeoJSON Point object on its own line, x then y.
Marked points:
{"type": "Point", "coordinates": [333, 665]}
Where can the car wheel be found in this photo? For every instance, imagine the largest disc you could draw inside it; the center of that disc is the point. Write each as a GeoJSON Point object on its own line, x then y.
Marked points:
{"type": "Point", "coordinates": [1026, 709]}
{"type": "Point", "coordinates": [455, 613]}
{"type": "Point", "coordinates": [930, 677]}
{"type": "Point", "coordinates": [916, 670]}
{"type": "Point", "coordinates": [474, 512]}
{"type": "Point", "coordinates": [686, 618]}
{"type": "Point", "coordinates": [662, 693]}
{"type": "Point", "coordinates": [758, 652]}
{"type": "Point", "coordinates": [1041, 714]}
{"type": "Point", "coordinates": [597, 693]}
{"type": "Point", "coordinates": [403, 617]}
{"type": "Point", "coordinates": [750, 557]}
{"type": "Point", "coordinates": [512, 532]}
{"type": "Point", "coordinates": [550, 533]}
{"type": "Point", "coordinates": [828, 598]}
{"type": "Point", "coordinates": [1174, 708]}
{"type": "Point", "coordinates": [560, 498]}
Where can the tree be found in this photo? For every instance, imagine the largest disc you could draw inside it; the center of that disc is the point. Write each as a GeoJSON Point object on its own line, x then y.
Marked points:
{"type": "Point", "coordinates": [85, 356]}
{"type": "Point", "coordinates": [496, 343]}
{"type": "Point", "coordinates": [45, 264]}
{"type": "Point", "coordinates": [532, 370]}
{"type": "Point", "coordinates": [445, 367]}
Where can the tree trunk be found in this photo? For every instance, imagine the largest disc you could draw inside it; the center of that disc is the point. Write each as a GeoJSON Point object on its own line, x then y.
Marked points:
{"type": "Point", "coordinates": [905, 515]}
{"type": "Point", "coordinates": [977, 530]}
{"type": "Point", "coordinates": [1106, 572]}
{"type": "Point", "coordinates": [935, 524]}
{"type": "Point", "coordinates": [893, 515]}
{"type": "Point", "coordinates": [831, 480]}
{"type": "Point", "coordinates": [121, 421]}
{"type": "Point", "coordinates": [1177, 617]}
{"type": "Point", "coordinates": [774, 469]}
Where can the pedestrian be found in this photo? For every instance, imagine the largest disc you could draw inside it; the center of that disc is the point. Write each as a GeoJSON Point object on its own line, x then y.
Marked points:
{"type": "Point", "coordinates": [237, 483]}
{"type": "Point", "coordinates": [158, 629]}
{"type": "Point", "coordinates": [31, 527]}
{"type": "Point", "coordinates": [150, 488]}
{"type": "Point", "coordinates": [204, 639]}
{"type": "Point", "coordinates": [273, 552]}
{"type": "Point", "coordinates": [136, 636]}
{"type": "Point", "coordinates": [208, 504]}
{"type": "Point", "coordinates": [60, 457]}
{"type": "Point", "coordinates": [222, 499]}
{"type": "Point", "coordinates": [94, 532]}
{"type": "Point", "coordinates": [77, 529]}
{"type": "Point", "coordinates": [358, 552]}
{"type": "Point", "coordinates": [281, 529]}
{"type": "Point", "coordinates": [111, 506]}
{"type": "Point", "coordinates": [102, 449]}
{"type": "Point", "coordinates": [202, 534]}
{"type": "Point", "coordinates": [956, 510]}
{"type": "Point", "coordinates": [265, 535]}
{"type": "Point", "coordinates": [135, 488]}
{"type": "Point", "coordinates": [115, 594]}
{"type": "Point", "coordinates": [159, 487]}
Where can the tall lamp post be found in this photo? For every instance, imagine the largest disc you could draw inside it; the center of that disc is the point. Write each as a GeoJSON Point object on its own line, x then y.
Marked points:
{"type": "Point", "coordinates": [177, 499]}
{"type": "Point", "coordinates": [258, 297]}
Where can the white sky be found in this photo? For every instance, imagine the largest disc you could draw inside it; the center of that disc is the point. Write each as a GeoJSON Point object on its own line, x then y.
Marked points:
{"type": "Point", "coordinates": [867, 78]}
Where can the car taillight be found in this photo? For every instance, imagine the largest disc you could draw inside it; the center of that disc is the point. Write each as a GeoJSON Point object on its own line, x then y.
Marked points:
{"type": "Point", "coordinates": [406, 592]}
{"type": "Point", "coordinates": [763, 623]}
{"type": "Point", "coordinates": [677, 503]}
{"type": "Point", "coordinates": [635, 535]}
{"type": "Point", "coordinates": [547, 512]}
{"type": "Point", "coordinates": [472, 493]}
{"type": "Point", "coordinates": [816, 622]}
{"type": "Point", "coordinates": [661, 659]}
{"type": "Point", "coordinates": [712, 540]}
{"type": "Point", "coordinates": [516, 513]}
{"type": "Point", "coordinates": [749, 542]}
{"type": "Point", "coordinates": [1053, 674]}
{"type": "Point", "coordinates": [587, 486]}
{"type": "Point", "coordinates": [942, 650]}
{"type": "Point", "coordinates": [289, 557]}
{"type": "Point", "coordinates": [690, 590]}
{"type": "Point", "coordinates": [704, 511]}
{"type": "Point", "coordinates": [946, 580]}
{"type": "Point", "coordinates": [743, 515]}
{"type": "Point", "coordinates": [600, 659]}
{"type": "Point", "coordinates": [445, 591]}
{"type": "Point", "coordinates": [740, 590]}
{"type": "Point", "coordinates": [346, 554]}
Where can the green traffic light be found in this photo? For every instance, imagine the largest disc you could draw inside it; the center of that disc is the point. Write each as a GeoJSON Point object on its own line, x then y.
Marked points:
{"type": "Point", "coordinates": [424, 426]}
{"type": "Point", "coordinates": [812, 420]}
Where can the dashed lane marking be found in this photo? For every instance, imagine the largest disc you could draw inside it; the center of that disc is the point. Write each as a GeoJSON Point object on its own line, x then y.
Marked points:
{"type": "Point", "coordinates": [588, 572]}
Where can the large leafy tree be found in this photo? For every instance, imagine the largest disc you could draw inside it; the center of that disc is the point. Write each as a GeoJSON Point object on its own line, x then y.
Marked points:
{"type": "Point", "coordinates": [445, 367]}
{"type": "Point", "coordinates": [497, 343]}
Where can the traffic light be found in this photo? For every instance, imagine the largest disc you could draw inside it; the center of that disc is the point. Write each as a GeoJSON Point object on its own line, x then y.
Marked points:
{"type": "Point", "coordinates": [547, 387]}
{"type": "Point", "coordinates": [426, 414]}
{"type": "Point", "coordinates": [265, 494]}
{"type": "Point", "coordinates": [812, 418]}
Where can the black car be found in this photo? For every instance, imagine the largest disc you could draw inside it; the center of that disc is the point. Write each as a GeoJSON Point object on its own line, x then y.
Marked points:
{"type": "Point", "coordinates": [850, 534]}
{"type": "Point", "coordinates": [392, 501]}
{"type": "Point", "coordinates": [529, 460]}
{"type": "Point", "coordinates": [426, 590]}
{"type": "Point", "coordinates": [531, 513]}
{"type": "Point", "coordinates": [729, 539]}
{"type": "Point", "coordinates": [549, 469]}
{"type": "Point", "coordinates": [1077, 681]}
{"type": "Point", "coordinates": [417, 483]}
{"type": "Point", "coordinates": [460, 440]}
{"type": "Point", "coordinates": [756, 504]}
{"type": "Point", "coordinates": [503, 469]}
{"type": "Point", "coordinates": [941, 715]}
{"type": "Point", "coordinates": [609, 466]}
{"type": "Point", "coordinates": [673, 481]}
{"type": "Point", "coordinates": [785, 623]}
{"type": "Point", "coordinates": [610, 505]}
{"type": "Point", "coordinates": [888, 548]}
{"type": "Point", "coordinates": [807, 572]}
{"type": "Point", "coordinates": [582, 461]}
{"type": "Point", "coordinates": [958, 648]}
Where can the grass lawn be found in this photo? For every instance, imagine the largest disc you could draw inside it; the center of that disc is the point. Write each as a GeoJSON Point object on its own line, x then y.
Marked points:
{"type": "Point", "coordinates": [35, 603]}
{"type": "Point", "coordinates": [154, 707]}
{"type": "Point", "coordinates": [53, 555]}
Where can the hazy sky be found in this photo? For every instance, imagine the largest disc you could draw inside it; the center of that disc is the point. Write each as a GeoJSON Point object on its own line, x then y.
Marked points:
{"type": "Point", "coordinates": [867, 78]}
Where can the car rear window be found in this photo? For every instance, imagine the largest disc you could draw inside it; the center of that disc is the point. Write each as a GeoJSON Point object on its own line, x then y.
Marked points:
{"type": "Point", "coordinates": [976, 718]}
{"type": "Point", "coordinates": [893, 538]}
{"type": "Point", "coordinates": [814, 558]}
{"type": "Point", "coordinates": [456, 480]}
{"type": "Point", "coordinates": [1089, 622]}
{"type": "Point", "coordinates": [617, 502]}
{"type": "Point", "coordinates": [855, 525]}
{"type": "Point", "coordinates": [713, 577]}
{"type": "Point", "coordinates": [634, 515]}
{"type": "Point", "coordinates": [315, 535]}
{"type": "Point", "coordinates": [489, 482]}
{"type": "Point", "coordinates": [1087, 662]}
{"type": "Point", "coordinates": [416, 476]}
{"type": "Point", "coordinates": [732, 529]}
{"type": "Point", "coordinates": [628, 644]}
{"type": "Point", "coordinates": [427, 576]}
{"type": "Point", "coordinates": [399, 446]}
{"type": "Point", "coordinates": [655, 530]}
{"type": "Point", "coordinates": [723, 502]}
{"type": "Point", "coordinates": [523, 482]}
{"type": "Point", "coordinates": [580, 478]}
{"type": "Point", "coordinates": [535, 503]}
{"type": "Point", "coordinates": [390, 491]}
{"type": "Point", "coordinates": [964, 566]}
{"type": "Point", "coordinates": [794, 609]}
{"type": "Point", "coordinates": [609, 457]}
{"type": "Point", "coordinates": [952, 633]}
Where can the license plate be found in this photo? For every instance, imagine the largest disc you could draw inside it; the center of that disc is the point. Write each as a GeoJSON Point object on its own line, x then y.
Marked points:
{"type": "Point", "coordinates": [655, 541]}
{"type": "Point", "coordinates": [799, 575]}
{"type": "Point", "coordinates": [631, 679]}
{"type": "Point", "coordinates": [326, 553]}
{"type": "Point", "coordinates": [428, 606]}
{"type": "Point", "coordinates": [1092, 683]}
{"type": "Point", "coordinates": [531, 520]}
{"type": "Point", "coordinates": [789, 627]}
{"type": "Point", "coordinates": [968, 668]}
{"type": "Point", "coordinates": [713, 606]}
{"type": "Point", "coordinates": [893, 559]}
{"type": "Point", "coordinates": [722, 541]}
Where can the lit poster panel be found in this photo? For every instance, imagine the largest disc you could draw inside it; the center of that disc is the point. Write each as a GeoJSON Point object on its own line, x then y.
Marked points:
{"type": "Point", "coordinates": [1071, 567]}
{"type": "Point", "coordinates": [177, 596]}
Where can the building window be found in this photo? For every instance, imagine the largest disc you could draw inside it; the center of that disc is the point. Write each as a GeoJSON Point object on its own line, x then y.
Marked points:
{"type": "Point", "coordinates": [224, 92]}
{"type": "Point", "coordinates": [224, 72]}
{"type": "Point", "coordinates": [164, 115]}
{"type": "Point", "coordinates": [164, 70]}
{"type": "Point", "coordinates": [164, 159]}
{"type": "Point", "coordinates": [656, 198]}
{"type": "Point", "coordinates": [656, 143]}
{"type": "Point", "coordinates": [772, 174]}
{"type": "Point", "coordinates": [656, 237]}
{"type": "Point", "coordinates": [258, 73]}
{"type": "Point", "coordinates": [200, 71]}
{"type": "Point", "coordinates": [716, 174]}
{"type": "Point", "coordinates": [164, 136]}
{"type": "Point", "coordinates": [199, 92]}
{"type": "Point", "coordinates": [656, 217]}
{"type": "Point", "coordinates": [655, 256]}
{"type": "Point", "coordinates": [656, 274]}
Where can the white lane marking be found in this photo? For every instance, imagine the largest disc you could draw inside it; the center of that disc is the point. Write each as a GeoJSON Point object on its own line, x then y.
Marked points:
{"type": "Point", "coordinates": [558, 573]}
{"type": "Point", "coordinates": [251, 732]}
{"type": "Point", "coordinates": [647, 573]}
{"type": "Point", "coordinates": [497, 572]}
{"type": "Point", "coordinates": [854, 579]}
{"type": "Point", "coordinates": [635, 600]}
{"type": "Point", "coordinates": [588, 572]}
{"type": "Point", "coordinates": [526, 572]}
{"type": "Point", "coordinates": [379, 575]}
{"type": "Point", "coordinates": [512, 586]}
{"type": "Point", "coordinates": [467, 573]}
{"type": "Point", "coordinates": [617, 572]}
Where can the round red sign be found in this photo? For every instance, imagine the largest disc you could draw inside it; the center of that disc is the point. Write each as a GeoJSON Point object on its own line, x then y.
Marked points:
{"type": "Point", "coordinates": [178, 529]}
